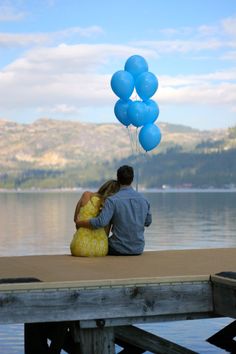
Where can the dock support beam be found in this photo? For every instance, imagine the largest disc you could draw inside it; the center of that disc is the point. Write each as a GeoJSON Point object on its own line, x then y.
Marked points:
{"type": "Point", "coordinates": [224, 339]}
{"type": "Point", "coordinates": [97, 340]}
{"type": "Point", "coordinates": [141, 341]}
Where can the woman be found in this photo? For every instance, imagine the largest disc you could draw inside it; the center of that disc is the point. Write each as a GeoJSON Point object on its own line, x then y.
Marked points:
{"type": "Point", "coordinates": [89, 242]}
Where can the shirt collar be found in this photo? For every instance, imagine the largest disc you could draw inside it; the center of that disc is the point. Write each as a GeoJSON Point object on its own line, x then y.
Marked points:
{"type": "Point", "coordinates": [126, 187]}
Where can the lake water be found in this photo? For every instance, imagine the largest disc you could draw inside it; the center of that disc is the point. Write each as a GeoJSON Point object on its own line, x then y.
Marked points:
{"type": "Point", "coordinates": [42, 223]}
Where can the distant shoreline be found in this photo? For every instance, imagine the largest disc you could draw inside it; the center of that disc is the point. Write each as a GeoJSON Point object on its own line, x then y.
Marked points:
{"type": "Point", "coordinates": [142, 190]}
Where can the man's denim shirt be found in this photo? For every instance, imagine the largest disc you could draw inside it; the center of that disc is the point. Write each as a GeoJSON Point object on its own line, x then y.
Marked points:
{"type": "Point", "coordinates": [128, 212]}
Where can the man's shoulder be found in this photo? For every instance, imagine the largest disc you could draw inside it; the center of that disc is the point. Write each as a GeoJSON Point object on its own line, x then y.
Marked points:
{"type": "Point", "coordinates": [141, 197]}
{"type": "Point", "coordinates": [126, 193]}
{"type": "Point", "coordinates": [114, 196]}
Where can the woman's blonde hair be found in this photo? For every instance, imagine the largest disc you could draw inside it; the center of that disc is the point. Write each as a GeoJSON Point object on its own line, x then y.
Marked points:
{"type": "Point", "coordinates": [108, 188]}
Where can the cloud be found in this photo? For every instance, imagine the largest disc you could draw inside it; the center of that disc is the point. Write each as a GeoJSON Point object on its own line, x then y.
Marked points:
{"type": "Point", "coordinates": [217, 88]}
{"type": "Point", "coordinates": [61, 79]}
{"type": "Point", "coordinates": [181, 46]}
{"type": "Point", "coordinates": [68, 77]}
{"type": "Point", "coordinates": [73, 59]}
{"type": "Point", "coordinates": [207, 31]}
{"type": "Point", "coordinates": [22, 40]}
{"type": "Point", "coordinates": [229, 26]}
{"type": "Point", "coordinates": [63, 76]}
{"type": "Point", "coordinates": [214, 77]}
{"type": "Point", "coordinates": [230, 55]}
{"type": "Point", "coordinates": [200, 31]}
{"type": "Point", "coordinates": [181, 31]}
{"type": "Point", "coordinates": [202, 94]}
{"type": "Point", "coordinates": [9, 13]}
{"type": "Point", "coordinates": [222, 36]}
{"type": "Point", "coordinates": [36, 39]}
{"type": "Point", "coordinates": [62, 108]}
{"type": "Point", "coordinates": [85, 32]}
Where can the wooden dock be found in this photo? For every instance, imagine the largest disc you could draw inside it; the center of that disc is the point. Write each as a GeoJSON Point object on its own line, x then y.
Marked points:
{"type": "Point", "coordinates": [104, 297]}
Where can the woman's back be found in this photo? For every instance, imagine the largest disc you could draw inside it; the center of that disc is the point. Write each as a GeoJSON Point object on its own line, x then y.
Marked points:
{"type": "Point", "coordinates": [88, 242]}
{"type": "Point", "coordinates": [91, 208]}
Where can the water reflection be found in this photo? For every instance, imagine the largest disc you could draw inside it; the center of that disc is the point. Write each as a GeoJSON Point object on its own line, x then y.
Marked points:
{"type": "Point", "coordinates": [36, 223]}
{"type": "Point", "coordinates": [192, 220]}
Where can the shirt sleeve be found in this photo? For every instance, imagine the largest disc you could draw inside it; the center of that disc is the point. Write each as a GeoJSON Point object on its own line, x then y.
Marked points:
{"type": "Point", "coordinates": [104, 218]}
{"type": "Point", "coordinates": [148, 220]}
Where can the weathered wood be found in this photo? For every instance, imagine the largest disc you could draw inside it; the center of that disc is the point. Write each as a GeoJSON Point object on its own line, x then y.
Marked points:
{"type": "Point", "coordinates": [97, 341]}
{"type": "Point", "coordinates": [129, 348]}
{"type": "Point", "coordinates": [148, 341]}
{"type": "Point", "coordinates": [105, 303]}
{"type": "Point", "coordinates": [113, 322]}
{"type": "Point", "coordinates": [224, 295]}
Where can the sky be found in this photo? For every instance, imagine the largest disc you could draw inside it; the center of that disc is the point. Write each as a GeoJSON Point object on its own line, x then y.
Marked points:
{"type": "Point", "coordinates": [57, 58]}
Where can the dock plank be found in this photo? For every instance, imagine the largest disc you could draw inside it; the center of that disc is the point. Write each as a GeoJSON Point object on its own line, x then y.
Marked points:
{"type": "Point", "coordinates": [151, 267]}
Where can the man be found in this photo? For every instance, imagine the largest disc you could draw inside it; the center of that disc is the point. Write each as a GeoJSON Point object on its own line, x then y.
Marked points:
{"type": "Point", "coordinates": [128, 212]}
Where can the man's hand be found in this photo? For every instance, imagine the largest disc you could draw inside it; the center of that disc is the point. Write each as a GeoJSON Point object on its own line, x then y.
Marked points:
{"type": "Point", "coordinates": [83, 223]}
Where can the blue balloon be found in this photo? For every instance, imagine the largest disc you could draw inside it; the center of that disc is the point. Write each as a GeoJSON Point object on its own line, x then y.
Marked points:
{"type": "Point", "coordinates": [136, 113]}
{"type": "Point", "coordinates": [136, 65]}
{"type": "Point", "coordinates": [149, 136]}
{"type": "Point", "coordinates": [122, 84]}
{"type": "Point", "coordinates": [121, 111]}
{"type": "Point", "coordinates": [152, 111]}
{"type": "Point", "coordinates": [146, 85]}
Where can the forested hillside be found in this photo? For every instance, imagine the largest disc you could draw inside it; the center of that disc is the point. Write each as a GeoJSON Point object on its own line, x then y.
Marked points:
{"type": "Point", "coordinates": [59, 154]}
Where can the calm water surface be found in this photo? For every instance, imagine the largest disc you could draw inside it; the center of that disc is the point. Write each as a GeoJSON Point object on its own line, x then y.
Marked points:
{"type": "Point", "coordinates": [42, 223]}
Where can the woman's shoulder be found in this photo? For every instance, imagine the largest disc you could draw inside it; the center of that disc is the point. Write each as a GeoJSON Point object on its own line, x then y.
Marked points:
{"type": "Point", "coordinates": [95, 196]}
{"type": "Point", "coordinates": [86, 196]}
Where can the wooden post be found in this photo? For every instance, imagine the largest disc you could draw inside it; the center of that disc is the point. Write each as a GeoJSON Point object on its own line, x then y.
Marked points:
{"type": "Point", "coordinates": [224, 293]}
{"type": "Point", "coordinates": [97, 340]}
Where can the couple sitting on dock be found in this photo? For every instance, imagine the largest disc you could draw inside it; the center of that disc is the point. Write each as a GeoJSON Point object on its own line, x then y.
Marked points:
{"type": "Point", "coordinates": [117, 208]}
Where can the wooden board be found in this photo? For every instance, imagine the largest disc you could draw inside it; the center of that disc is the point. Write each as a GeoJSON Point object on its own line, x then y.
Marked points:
{"type": "Point", "coordinates": [102, 303]}
{"type": "Point", "coordinates": [58, 271]}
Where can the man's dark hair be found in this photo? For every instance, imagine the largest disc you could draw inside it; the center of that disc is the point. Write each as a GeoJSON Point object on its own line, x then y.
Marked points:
{"type": "Point", "coordinates": [125, 175]}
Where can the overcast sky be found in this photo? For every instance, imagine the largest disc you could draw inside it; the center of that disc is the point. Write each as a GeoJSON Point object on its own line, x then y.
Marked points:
{"type": "Point", "coordinates": [57, 58]}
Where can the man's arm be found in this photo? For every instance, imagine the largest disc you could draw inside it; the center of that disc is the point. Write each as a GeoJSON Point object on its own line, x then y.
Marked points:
{"type": "Point", "coordinates": [148, 219]}
{"type": "Point", "coordinates": [83, 223]}
{"type": "Point", "coordinates": [102, 220]}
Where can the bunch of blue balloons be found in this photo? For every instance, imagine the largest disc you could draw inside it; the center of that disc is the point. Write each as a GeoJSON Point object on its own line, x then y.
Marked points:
{"type": "Point", "coordinates": [140, 113]}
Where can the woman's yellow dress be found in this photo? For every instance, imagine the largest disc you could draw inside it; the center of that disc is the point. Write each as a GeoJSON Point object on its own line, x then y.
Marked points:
{"type": "Point", "coordinates": [88, 242]}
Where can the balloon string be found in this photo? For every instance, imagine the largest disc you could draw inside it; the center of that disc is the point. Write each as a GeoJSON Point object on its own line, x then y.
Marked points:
{"type": "Point", "coordinates": [137, 160]}
{"type": "Point", "coordinates": [130, 139]}
{"type": "Point", "coordinates": [135, 148]}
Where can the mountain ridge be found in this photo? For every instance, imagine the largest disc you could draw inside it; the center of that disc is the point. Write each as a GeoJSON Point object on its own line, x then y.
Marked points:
{"type": "Point", "coordinates": [57, 153]}
{"type": "Point", "coordinates": [57, 143]}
